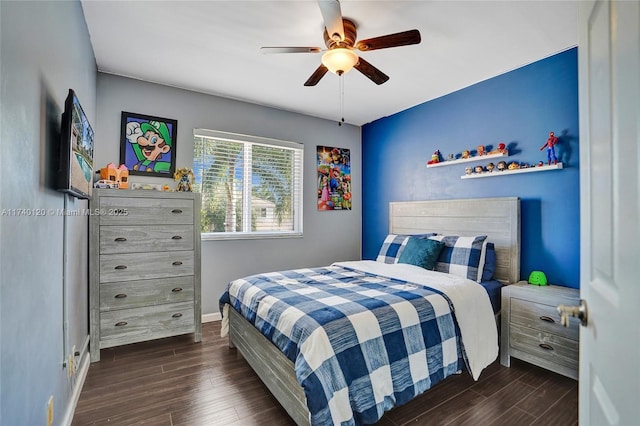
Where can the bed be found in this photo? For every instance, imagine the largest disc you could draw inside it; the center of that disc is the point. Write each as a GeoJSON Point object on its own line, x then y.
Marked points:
{"type": "Point", "coordinates": [413, 300]}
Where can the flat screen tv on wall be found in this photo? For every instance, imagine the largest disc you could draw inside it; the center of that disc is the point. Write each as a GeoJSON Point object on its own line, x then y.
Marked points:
{"type": "Point", "coordinates": [75, 172]}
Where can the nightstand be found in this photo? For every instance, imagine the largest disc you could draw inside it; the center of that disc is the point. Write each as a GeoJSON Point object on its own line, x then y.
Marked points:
{"type": "Point", "coordinates": [531, 329]}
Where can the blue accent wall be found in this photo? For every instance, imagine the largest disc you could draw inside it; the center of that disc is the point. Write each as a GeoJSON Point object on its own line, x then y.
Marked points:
{"type": "Point", "coordinates": [518, 108]}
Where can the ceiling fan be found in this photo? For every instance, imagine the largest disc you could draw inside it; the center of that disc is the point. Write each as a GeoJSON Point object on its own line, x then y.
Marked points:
{"type": "Point", "coordinates": [340, 38]}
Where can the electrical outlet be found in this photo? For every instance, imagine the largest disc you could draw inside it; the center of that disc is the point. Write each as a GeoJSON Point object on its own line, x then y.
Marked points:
{"type": "Point", "coordinates": [50, 411]}
{"type": "Point", "coordinates": [76, 358]}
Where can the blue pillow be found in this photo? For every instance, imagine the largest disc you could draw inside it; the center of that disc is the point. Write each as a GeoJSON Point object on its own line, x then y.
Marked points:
{"type": "Point", "coordinates": [489, 262]}
{"type": "Point", "coordinates": [393, 246]}
{"type": "Point", "coordinates": [421, 252]}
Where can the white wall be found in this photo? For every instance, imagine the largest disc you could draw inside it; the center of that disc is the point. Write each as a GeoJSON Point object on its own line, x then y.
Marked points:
{"type": "Point", "coordinates": [45, 50]}
{"type": "Point", "coordinates": [328, 235]}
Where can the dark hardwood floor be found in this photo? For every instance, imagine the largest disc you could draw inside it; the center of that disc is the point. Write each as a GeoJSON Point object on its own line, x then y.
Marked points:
{"type": "Point", "coordinates": [174, 382]}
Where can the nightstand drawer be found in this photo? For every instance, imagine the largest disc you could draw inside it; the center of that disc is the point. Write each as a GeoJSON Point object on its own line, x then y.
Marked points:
{"type": "Point", "coordinates": [542, 317]}
{"type": "Point", "coordinates": [136, 238]}
{"type": "Point", "coordinates": [135, 294]}
{"type": "Point", "coordinates": [140, 266]}
{"type": "Point", "coordinates": [546, 347]}
{"type": "Point", "coordinates": [151, 322]}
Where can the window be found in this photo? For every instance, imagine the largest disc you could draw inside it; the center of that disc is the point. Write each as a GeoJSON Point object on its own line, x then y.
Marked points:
{"type": "Point", "coordinates": [250, 186]}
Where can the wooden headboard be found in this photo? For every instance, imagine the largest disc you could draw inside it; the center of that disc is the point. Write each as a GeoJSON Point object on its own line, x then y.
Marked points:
{"type": "Point", "coordinates": [497, 218]}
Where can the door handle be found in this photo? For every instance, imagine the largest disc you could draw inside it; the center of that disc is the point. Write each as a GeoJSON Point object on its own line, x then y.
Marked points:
{"type": "Point", "coordinates": [579, 312]}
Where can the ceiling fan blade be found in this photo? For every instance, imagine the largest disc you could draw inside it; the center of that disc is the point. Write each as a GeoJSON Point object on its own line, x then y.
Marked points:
{"type": "Point", "coordinates": [332, 16]}
{"type": "Point", "coordinates": [268, 50]}
{"type": "Point", "coordinates": [316, 76]}
{"type": "Point", "coordinates": [404, 38]}
{"type": "Point", "coordinates": [371, 72]}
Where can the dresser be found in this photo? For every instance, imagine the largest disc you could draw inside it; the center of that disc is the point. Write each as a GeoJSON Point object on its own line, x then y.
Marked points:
{"type": "Point", "coordinates": [531, 329]}
{"type": "Point", "coordinates": [144, 267]}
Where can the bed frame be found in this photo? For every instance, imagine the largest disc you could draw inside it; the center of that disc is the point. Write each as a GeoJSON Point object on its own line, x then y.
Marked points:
{"type": "Point", "coordinates": [498, 218]}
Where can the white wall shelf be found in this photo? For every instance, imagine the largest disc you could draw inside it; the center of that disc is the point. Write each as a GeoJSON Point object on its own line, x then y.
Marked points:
{"type": "Point", "coordinates": [496, 173]}
{"type": "Point", "coordinates": [505, 153]}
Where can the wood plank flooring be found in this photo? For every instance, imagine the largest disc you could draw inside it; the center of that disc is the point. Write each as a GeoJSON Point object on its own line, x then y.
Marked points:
{"type": "Point", "coordinates": [175, 382]}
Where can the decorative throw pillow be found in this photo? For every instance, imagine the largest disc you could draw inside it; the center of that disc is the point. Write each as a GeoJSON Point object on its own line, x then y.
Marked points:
{"type": "Point", "coordinates": [462, 256]}
{"type": "Point", "coordinates": [421, 252]}
{"type": "Point", "coordinates": [393, 246]}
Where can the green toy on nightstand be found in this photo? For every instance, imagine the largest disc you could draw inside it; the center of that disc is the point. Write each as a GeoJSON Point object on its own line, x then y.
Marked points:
{"type": "Point", "coordinates": [537, 278]}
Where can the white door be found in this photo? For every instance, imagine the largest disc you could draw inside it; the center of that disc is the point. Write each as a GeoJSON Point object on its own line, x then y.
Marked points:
{"type": "Point", "coordinates": [609, 75]}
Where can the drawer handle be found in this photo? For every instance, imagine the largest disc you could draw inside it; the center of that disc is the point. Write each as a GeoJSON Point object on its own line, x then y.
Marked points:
{"type": "Point", "coordinates": [121, 267]}
{"type": "Point", "coordinates": [121, 323]}
{"type": "Point", "coordinates": [120, 296]}
{"type": "Point", "coordinates": [176, 211]}
{"type": "Point", "coordinates": [177, 263]}
{"type": "Point", "coordinates": [178, 315]}
{"type": "Point", "coordinates": [546, 346]}
{"type": "Point", "coordinates": [120, 239]}
{"type": "Point", "coordinates": [176, 237]}
{"type": "Point", "coordinates": [547, 319]}
{"type": "Point", "coordinates": [177, 290]}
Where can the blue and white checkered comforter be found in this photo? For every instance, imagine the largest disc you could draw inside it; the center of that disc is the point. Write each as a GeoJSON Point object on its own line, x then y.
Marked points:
{"type": "Point", "coordinates": [360, 342]}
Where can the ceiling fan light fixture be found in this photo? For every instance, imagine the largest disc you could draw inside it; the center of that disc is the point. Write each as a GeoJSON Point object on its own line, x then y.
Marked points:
{"type": "Point", "coordinates": [340, 60]}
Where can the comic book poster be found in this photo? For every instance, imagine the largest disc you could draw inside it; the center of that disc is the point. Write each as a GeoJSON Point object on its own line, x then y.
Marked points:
{"type": "Point", "coordinates": [334, 178]}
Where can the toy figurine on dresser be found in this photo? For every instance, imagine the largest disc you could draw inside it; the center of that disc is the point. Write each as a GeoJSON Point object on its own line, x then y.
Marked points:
{"type": "Point", "coordinates": [184, 177]}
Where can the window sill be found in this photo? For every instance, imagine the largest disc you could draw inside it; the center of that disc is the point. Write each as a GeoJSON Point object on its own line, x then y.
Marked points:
{"type": "Point", "coordinates": [220, 236]}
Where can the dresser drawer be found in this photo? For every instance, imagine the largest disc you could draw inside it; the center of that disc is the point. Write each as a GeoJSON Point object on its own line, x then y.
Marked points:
{"type": "Point", "coordinates": [134, 239]}
{"type": "Point", "coordinates": [548, 348]}
{"type": "Point", "coordinates": [139, 266]}
{"type": "Point", "coordinates": [151, 322]}
{"type": "Point", "coordinates": [135, 294]}
{"type": "Point", "coordinates": [542, 317]}
{"type": "Point", "coordinates": [146, 211]}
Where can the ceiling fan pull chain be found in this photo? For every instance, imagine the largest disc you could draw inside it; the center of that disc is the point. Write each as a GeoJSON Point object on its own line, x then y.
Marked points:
{"type": "Point", "coordinates": [341, 88]}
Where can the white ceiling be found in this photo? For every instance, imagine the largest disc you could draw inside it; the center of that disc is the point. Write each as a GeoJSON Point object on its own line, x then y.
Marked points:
{"type": "Point", "coordinates": [213, 47]}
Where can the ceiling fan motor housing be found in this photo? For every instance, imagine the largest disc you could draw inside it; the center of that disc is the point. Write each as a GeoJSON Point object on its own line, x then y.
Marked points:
{"type": "Point", "coordinates": [350, 35]}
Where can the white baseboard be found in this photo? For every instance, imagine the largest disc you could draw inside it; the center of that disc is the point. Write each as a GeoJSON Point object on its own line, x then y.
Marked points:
{"type": "Point", "coordinates": [81, 375]}
{"type": "Point", "coordinates": [216, 316]}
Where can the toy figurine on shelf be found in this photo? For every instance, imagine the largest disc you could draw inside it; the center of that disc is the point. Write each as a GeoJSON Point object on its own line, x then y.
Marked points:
{"type": "Point", "coordinates": [502, 165]}
{"type": "Point", "coordinates": [480, 149]}
{"type": "Point", "coordinates": [184, 177]}
{"type": "Point", "coordinates": [478, 169]}
{"type": "Point", "coordinates": [450, 157]}
{"type": "Point", "coordinates": [468, 170]}
{"type": "Point", "coordinates": [435, 157]}
{"type": "Point", "coordinates": [502, 149]}
{"type": "Point", "coordinates": [513, 166]}
{"type": "Point", "coordinates": [466, 153]}
{"type": "Point", "coordinates": [551, 150]}
{"type": "Point", "coordinates": [490, 167]}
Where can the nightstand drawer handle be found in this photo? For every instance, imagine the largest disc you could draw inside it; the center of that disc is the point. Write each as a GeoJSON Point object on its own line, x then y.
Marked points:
{"type": "Point", "coordinates": [177, 263]}
{"type": "Point", "coordinates": [176, 211]}
{"type": "Point", "coordinates": [547, 319]}
{"type": "Point", "coordinates": [120, 267]}
{"type": "Point", "coordinates": [546, 346]}
{"type": "Point", "coordinates": [178, 315]}
{"type": "Point", "coordinates": [177, 290]}
{"type": "Point", "coordinates": [120, 239]}
{"type": "Point", "coordinates": [176, 237]}
{"type": "Point", "coordinates": [121, 323]}
{"type": "Point", "coordinates": [120, 296]}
